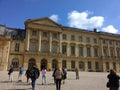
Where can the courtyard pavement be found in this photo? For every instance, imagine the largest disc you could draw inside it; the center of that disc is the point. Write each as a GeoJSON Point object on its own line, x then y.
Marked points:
{"type": "Point", "coordinates": [87, 81]}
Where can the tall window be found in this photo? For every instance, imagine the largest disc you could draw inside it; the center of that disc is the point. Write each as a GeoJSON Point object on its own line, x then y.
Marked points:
{"type": "Point", "coordinates": [88, 40]}
{"type": "Point", "coordinates": [80, 51]}
{"type": "Point", "coordinates": [64, 37]}
{"type": "Point", "coordinates": [72, 37]}
{"type": "Point", "coordinates": [72, 64]}
{"type": "Point", "coordinates": [44, 48]}
{"type": "Point", "coordinates": [96, 65]}
{"type": "Point", "coordinates": [111, 53]}
{"type": "Point", "coordinates": [105, 52]}
{"type": "Point", "coordinates": [54, 48]}
{"type": "Point", "coordinates": [33, 46]}
{"type": "Point", "coordinates": [88, 52]}
{"type": "Point", "coordinates": [72, 50]}
{"type": "Point", "coordinates": [104, 41]}
{"type": "Point", "coordinates": [17, 46]}
{"type": "Point", "coordinates": [54, 35]}
{"type": "Point", "coordinates": [107, 66]}
{"type": "Point", "coordinates": [110, 42]}
{"type": "Point", "coordinates": [94, 40]}
{"type": "Point", "coordinates": [34, 33]}
{"type": "Point", "coordinates": [80, 39]}
{"type": "Point", "coordinates": [64, 49]}
{"type": "Point", "coordinates": [114, 65]}
{"type": "Point", "coordinates": [118, 53]}
{"type": "Point", "coordinates": [95, 52]}
{"type": "Point", "coordinates": [44, 34]}
{"type": "Point", "coordinates": [89, 65]}
{"type": "Point", "coordinates": [64, 64]}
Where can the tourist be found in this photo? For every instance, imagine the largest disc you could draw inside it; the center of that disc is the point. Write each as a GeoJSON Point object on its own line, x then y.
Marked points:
{"type": "Point", "coordinates": [53, 75]}
{"type": "Point", "coordinates": [34, 74]}
{"type": "Point", "coordinates": [10, 73]}
{"type": "Point", "coordinates": [44, 76]}
{"type": "Point", "coordinates": [27, 74]}
{"type": "Point", "coordinates": [64, 75]}
{"type": "Point", "coordinates": [77, 73]}
{"type": "Point", "coordinates": [58, 78]}
{"type": "Point", "coordinates": [113, 83]}
{"type": "Point", "coordinates": [21, 72]}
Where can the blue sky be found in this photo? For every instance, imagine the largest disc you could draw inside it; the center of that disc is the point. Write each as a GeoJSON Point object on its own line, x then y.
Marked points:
{"type": "Point", "coordinates": [85, 14]}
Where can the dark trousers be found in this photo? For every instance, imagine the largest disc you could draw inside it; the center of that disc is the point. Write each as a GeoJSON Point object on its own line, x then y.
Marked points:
{"type": "Point", "coordinates": [58, 84]}
{"type": "Point", "coordinates": [114, 88]}
{"type": "Point", "coordinates": [33, 84]}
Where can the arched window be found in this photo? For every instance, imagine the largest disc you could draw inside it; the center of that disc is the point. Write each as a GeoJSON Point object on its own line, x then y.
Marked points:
{"type": "Point", "coordinates": [54, 64]}
{"type": "Point", "coordinates": [31, 62]}
{"type": "Point", "coordinates": [43, 64]}
{"type": "Point", "coordinates": [15, 64]}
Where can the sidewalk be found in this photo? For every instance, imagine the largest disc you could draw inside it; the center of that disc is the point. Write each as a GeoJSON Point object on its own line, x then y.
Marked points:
{"type": "Point", "coordinates": [87, 81]}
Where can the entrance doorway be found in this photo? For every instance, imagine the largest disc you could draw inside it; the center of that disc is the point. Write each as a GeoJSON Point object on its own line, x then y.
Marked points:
{"type": "Point", "coordinates": [54, 64]}
{"type": "Point", "coordinates": [43, 64]}
{"type": "Point", "coordinates": [31, 62]}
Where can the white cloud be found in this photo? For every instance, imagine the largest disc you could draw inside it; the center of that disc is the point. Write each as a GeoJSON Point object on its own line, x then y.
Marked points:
{"type": "Point", "coordinates": [81, 20]}
{"type": "Point", "coordinates": [54, 17]}
{"type": "Point", "coordinates": [110, 29]}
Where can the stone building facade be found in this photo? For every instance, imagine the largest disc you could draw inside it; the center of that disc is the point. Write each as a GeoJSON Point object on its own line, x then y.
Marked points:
{"type": "Point", "coordinates": [49, 44]}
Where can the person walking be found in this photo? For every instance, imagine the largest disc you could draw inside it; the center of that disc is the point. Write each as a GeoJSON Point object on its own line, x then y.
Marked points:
{"type": "Point", "coordinates": [44, 76]}
{"type": "Point", "coordinates": [58, 78]}
{"type": "Point", "coordinates": [10, 73]}
{"type": "Point", "coordinates": [21, 72]}
{"type": "Point", "coordinates": [53, 75]}
{"type": "Point", "coordinates": [34, 74]}
{"type": "Point", "coordinates": [64, 75]}
{"type": "Point", "coordinates": [27, 74]}
{"type": "Point", "coordinates": [77, 73]}
{"type": "Point", "coordinates": [113, 83]}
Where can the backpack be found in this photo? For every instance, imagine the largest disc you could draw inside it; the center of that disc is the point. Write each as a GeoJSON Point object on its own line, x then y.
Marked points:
{"type": "Point", "coordinates": [34, 73]}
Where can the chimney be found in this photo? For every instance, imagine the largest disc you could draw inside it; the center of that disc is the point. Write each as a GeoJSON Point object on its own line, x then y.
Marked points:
{"type": "Point", "coordinates": [95, 30]}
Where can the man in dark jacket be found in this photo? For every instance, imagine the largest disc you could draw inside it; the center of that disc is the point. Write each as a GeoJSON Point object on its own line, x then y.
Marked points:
{"type": "Point", "coordinates": [34, 74]}
{"type": "Point", "coordinates": [113, 83]}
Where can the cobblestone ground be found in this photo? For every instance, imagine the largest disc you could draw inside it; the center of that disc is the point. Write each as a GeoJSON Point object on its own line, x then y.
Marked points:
{"type": "Point", "coordinates": [87, 81]}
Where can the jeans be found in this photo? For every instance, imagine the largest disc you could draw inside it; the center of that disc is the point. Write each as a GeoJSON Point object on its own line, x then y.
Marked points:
{"type": "Point", "coordinates": [33, 84]}
{"type": "Point", "coordinates": [43, 79]}
{"type": "Point", "coordinates": [58, 84]}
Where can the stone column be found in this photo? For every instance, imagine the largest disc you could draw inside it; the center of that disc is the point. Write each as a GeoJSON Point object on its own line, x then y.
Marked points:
{"type": "Point", "coordinates": [50, 42]}
{"type": "Point", "coordinates": [101, 48]}
{"type": "Point", "coordinates": [49, 65]}
{"type": "Point", "coordinates": [28, 39]}
{"type": "Point", "coordinates": [68, 49]}
{"type": "Point", "coordinates": [76, 50]}
{"type": "Point", "coordinates": [108, 49]}
{"type": "Point", "coordinates": [60, 45]}
{"type": "Point", "coordinates": [115, 52]}
{"type": "Point", "coordinates": [86, 66]}
{"type": "Point", "coordinates": [39, 41]}
{"type": "Point", "coordinates": [68, 65]}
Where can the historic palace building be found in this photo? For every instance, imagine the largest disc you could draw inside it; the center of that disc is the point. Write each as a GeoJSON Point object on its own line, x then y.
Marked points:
{"type": "Point", "coordinates": [49, 44]}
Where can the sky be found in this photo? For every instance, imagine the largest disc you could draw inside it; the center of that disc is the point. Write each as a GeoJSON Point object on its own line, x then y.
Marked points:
{"type": "Point", "coordinates": [104, 15]}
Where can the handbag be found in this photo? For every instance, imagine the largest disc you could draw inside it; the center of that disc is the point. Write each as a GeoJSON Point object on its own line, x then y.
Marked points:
{"type": "Point", "coordinates": [108, 84]}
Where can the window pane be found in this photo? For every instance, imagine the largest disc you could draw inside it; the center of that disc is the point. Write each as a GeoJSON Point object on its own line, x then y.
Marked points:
{"type": "Point", "coordinates": [88, 52]}
{"type": "Point", "coordinates": [63, 49]}
{"type": "Point", "coordinates": [81, 51]}
{"type": "Point", "coordinates": [64, 37]}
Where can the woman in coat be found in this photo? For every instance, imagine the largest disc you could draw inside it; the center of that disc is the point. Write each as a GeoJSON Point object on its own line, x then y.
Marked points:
{"type": "Point", "coordinates": [113, 83]}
